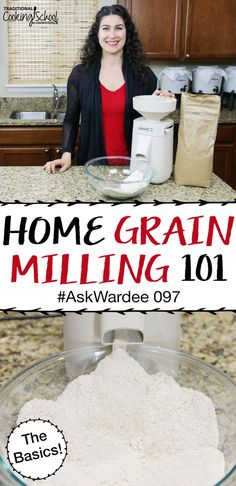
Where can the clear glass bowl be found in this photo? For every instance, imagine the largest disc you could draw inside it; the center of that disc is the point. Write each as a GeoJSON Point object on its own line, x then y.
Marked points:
{"type": "Point", "coordinates": [118, 177]}
{"type": "Point", "coordinates": [48, 378]}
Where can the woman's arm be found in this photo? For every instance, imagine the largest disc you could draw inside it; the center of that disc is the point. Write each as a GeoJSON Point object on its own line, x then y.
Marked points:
{"type": "Point", "coordinates": [70, 126]}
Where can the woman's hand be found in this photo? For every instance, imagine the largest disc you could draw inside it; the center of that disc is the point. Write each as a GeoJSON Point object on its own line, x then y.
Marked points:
{"type": "Point", "coordinates": [157, 92]}
{"type": "Point", "coordinates": [64, 163]}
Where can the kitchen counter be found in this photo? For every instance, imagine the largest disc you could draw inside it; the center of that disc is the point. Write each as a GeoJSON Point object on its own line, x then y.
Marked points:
{"type": "Point", "coordinates": [5, 121]}
{"type": "Point", "coordinates": [226, 116]}
{"type": "Point", "coordinates": [24, 340]}
{"type": "Point", "coordinates": [7, 105]}
{"type": "Point", "coordinates": [32, 184]}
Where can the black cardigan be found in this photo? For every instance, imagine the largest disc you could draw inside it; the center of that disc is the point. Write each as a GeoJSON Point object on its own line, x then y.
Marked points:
{"type": "Point", "coordinates": [84, 98]}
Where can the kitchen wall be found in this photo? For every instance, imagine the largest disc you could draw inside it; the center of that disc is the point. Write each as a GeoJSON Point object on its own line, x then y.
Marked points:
{"type": "Point", "coordinates": [46, 91]}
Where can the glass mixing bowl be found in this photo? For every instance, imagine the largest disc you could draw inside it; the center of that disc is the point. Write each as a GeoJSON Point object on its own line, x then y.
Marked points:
{"type": "Point", "coordinates": [118, 177]}
{"type": "Point", "coordinates": [48, 378]}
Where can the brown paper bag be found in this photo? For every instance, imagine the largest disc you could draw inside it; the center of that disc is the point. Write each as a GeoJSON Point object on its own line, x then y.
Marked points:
{"type": "Point", "coordinates": [199, 116]}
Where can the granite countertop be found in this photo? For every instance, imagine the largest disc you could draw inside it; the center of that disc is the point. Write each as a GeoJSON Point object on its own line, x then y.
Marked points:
{"type": "Point", "coordinates": [7, 105]}
{"type": "Point", "coordinates": [33, 184]}
{"type": "Point", "coordinates": [26, 339]}
{"type": "Point", "coordinates": [5, 121]}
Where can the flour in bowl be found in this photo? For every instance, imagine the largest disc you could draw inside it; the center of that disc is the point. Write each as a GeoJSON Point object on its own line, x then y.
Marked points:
{"type": "Point", "coordinates": [125, 427]}
{"type": "Point", "coordinates": [130, 186]}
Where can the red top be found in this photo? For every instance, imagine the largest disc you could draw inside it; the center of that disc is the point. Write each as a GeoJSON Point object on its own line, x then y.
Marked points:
{"type": "Point", "coordinates": [113, 108]}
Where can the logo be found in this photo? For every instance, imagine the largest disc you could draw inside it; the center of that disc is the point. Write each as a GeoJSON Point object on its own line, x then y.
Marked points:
{"type": "Point", "coordinates": [31, 15]}
{"type": "Point", "coordinates": [145, 129]}
{"type": "Point", "coordinates": [36, 449]}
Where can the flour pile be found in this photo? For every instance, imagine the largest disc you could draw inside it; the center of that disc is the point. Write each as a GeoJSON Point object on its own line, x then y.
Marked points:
{"type": "Point", "coordinates": [126, 427]}
{"type": "Point", "coordinates": [136, 184]}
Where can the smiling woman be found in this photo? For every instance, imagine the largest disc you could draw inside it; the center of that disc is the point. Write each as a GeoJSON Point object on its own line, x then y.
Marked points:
{"type": "Point", "coordinates": [101, 89]}
{"type": "Point", "coordinates": [112, 34]}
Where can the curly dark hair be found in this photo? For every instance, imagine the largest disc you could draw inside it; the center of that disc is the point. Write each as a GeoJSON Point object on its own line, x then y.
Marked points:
{"type": "Point", "coordinates": [133, 51]}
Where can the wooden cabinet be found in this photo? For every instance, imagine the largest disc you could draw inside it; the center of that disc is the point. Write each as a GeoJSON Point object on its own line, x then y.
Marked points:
{"type": "Point", "coordinates": [29, 145]}
{"type": "Point", "coordinates": [210, 29]}
{"type": "Point", "coordinates": [158, 23]}
{"type": "Point", "coordinates": [24, 155]}
{"type": "Point", "coordinates": [225, 154]}
{"type": "Point", "coordinates": [38, 145]}
{"type": "Point", "coordinates": [185, 29]}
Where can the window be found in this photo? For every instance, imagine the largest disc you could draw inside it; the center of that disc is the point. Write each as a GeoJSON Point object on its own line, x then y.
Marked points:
{"type": "Point", "coordinates": [44, 38]}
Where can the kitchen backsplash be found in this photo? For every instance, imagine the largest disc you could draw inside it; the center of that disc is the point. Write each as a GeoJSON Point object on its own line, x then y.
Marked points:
{"type": "Point", "coordinates": [156, 66]}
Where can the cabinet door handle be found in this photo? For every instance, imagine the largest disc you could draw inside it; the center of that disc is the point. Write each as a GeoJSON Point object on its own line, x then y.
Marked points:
{"type": "Point", "coordinates": [187, 55]}
{"type": "Point", "coordinates": [58, 151]}
{"type": "Point", "coordinates": [46, 151]}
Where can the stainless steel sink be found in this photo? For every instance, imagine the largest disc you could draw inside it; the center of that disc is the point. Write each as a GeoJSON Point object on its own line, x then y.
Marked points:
{"type": "Point", "coordinates": [30, 115]}
{"type": "Point", "coordinates": [37, 115]}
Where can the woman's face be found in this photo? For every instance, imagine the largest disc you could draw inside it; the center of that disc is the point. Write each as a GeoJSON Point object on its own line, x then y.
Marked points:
{"type": "Point", "coordinates": [112, 34]}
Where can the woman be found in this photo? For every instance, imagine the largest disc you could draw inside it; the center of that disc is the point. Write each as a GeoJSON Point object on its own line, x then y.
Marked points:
{"type": "Point", "coordinates": [101, 88]}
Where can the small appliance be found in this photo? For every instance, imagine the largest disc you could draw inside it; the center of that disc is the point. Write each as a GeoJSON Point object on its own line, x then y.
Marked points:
{"type": "Point", "coordinates": [175, 79]}
{"type": "Point", "coordinates": [153, 134]}
{"type": "Point", "coordinates": [207, 79]}
{"type": "Point", "coordinates": [153, 328]}
{"type": "Point", "coordinates": [229, 86]}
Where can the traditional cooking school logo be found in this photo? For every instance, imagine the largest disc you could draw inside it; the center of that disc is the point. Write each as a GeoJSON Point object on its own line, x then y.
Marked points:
{"type": "Point", "coordinates": [29, 14]}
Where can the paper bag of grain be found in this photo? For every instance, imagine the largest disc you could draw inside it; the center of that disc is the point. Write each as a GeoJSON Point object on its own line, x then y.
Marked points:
{"type": "Point", "coordinates": [199, 116]}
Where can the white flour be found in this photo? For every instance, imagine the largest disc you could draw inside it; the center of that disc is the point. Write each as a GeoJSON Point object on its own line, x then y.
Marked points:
{"type": "Point", "coordinates": [136, 184]}
{"type": "Point", "coordinates": [126, 427]}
